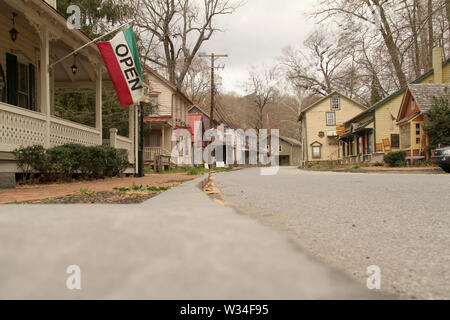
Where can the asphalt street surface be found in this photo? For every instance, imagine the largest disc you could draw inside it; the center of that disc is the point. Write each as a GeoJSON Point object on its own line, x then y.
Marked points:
{"type": "Point", "coordinates": [350, 221]}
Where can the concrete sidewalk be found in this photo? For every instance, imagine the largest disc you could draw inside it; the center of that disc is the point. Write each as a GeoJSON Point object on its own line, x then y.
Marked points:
{"type": "Point", "coordinates": [179, 245]}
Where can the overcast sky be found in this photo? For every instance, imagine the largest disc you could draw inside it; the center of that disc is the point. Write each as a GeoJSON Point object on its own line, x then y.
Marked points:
{"type": "Point", "coordinates": [256, 34]}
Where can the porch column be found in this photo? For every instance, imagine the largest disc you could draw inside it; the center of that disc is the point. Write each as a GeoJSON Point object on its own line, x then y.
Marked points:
{"type": "Point", "coordinates": [162, 140]}
{"type": "Point", "coordinates": [98, 104]}
{"type": "Point", "coordinates": [45, 81]}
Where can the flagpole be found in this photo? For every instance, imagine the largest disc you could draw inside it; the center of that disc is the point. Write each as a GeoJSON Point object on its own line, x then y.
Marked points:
{"type": "Point", "coordinates": [90, 42]}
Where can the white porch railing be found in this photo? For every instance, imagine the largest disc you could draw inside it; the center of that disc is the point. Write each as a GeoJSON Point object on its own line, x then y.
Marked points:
{"type": "Point", "coordinates": [64, 131]}
{"type": "Point", "coordinates": [120, 142]}
{"type": "Point", "coordinates": [127, 144]}
{"type": "Point", "coordinates": [150, 153]}
{"type": "Point", "coordinates": [21, 127]}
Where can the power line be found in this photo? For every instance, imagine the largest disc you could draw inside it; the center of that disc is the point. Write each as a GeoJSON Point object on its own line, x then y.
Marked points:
{"type": "Point", "coordinates": [213, 57]}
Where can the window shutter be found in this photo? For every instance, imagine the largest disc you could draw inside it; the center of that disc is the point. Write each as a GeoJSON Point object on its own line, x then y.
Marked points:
{"type": "Point", "coordinates": [2, 85]}
{"type": "Point", "coordinates": [32, 88]}
{"type": "Point", "coordinates": [12, 79]}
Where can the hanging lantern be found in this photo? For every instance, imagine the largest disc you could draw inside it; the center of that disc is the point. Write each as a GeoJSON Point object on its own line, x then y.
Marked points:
{"type": "Point", "coordinates": [13, 32]}
{"type": "Point", "coordinates": [74, 66]}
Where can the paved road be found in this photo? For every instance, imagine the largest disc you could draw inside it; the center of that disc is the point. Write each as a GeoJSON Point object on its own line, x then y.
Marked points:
{"type": "Point", "coordinates": [179, 245]}
{"type": "Point", "coordinates": [350, 221]}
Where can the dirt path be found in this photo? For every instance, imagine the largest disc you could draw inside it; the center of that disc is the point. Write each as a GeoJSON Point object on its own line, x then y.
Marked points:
{"type": "Point", "coordinates": [38, 192]}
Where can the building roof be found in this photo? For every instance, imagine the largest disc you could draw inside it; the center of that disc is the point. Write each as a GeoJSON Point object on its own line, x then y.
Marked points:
{"type": "Point", "coordinates": [291, 141]}
{"type": "Point", "coordinates": [395, 94]}
{"type": "Point", "coordinates": [166, 82]}
{"type": "Point", "coordinates": [425, 94]}
{"type": "Point", "coordinates": [206, 114]}
{"type": "Point", "coordinates": [326, 97]}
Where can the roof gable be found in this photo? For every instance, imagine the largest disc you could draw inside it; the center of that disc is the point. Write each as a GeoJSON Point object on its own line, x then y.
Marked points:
{"type": "Point", "coordinates": [424, 95]}
{"type": "Point", "coordinates": [304, 110]}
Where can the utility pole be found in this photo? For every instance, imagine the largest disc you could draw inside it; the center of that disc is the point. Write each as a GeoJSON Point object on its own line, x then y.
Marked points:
{"type": "Point", "coordinates": [141, 142]}
{"type": "Point", "coordinates": [213, 57]}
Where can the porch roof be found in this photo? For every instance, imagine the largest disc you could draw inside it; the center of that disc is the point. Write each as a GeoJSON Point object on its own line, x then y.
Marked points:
{"type": "Point", "coordinates": [157, 119]}
{"type": "Point", "coordinates": [32, 15]}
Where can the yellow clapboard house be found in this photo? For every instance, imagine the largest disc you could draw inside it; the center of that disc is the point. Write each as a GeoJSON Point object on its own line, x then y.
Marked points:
{"type": "Point", "coordinates": [373, 132]}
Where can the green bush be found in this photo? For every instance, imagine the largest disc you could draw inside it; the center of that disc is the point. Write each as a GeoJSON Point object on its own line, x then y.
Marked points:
{"type": "Point", "coordinates": [65, 161]}
{"type": "Point", "coordinates": [395, 158]}
{"type": "Point", "coordinates": [31, 160]}
{"type": "Point", "coordinates": [195, 171]}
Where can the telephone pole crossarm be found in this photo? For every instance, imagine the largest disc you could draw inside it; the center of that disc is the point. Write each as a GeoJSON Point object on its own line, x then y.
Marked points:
{"type": "Point", "coordinates": [213, 58]}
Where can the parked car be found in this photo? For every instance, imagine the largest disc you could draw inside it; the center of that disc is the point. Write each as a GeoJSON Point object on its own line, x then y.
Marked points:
{"type": "Point", "coordinates": [441, 158]}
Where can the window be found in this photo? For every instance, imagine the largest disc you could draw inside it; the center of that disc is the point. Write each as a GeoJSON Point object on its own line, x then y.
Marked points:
{"type": "Point", "coordinates": [331, 119]}
{"type": "Point", "coordinates": [20, 82]}
{"type": "Point", "coordinates": [405, 132]}
{"type": "Point", "coordinates": [154, 102]}
{"type": "Point", "coordinates": [417, 140]}
{"type": "Point", "coordinates": [316, 152]}
{"type": "Point", "coordinates": [335, 103]}
{"type": "Point", "coordinates": [316, 148]}
{"type": "Point", "coordinates": [418, 129]}
{"type": "Point", "coordinates": [280, 148]}
{"type": "Point", "coordinates": [395, 141]}
{"type": "Point", "coordinates": [22, 89]}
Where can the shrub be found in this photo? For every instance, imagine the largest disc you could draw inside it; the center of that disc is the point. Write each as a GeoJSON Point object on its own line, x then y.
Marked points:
{"type": "Point", "coordinates": [395, 158]}
{"type": "Point", "coordinates": [437, 124]}
{"type": "Point", "coordinates": [62, 162]}
{"type": "Point", "coordinates": [31, 160]}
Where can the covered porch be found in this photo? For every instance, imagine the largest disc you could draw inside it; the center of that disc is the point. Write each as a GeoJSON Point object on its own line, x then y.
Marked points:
{"type": "Point", "coordinates": [158, 140]}
{"type": "Point", "coordinates": [28, 109]}
{"type": "Point", "coordinates": [357, 145]}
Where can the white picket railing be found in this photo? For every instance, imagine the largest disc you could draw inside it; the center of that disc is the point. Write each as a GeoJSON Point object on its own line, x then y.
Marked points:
{"type": "Point", "coordinates": [127, 144]}
{"type": "Point", "coordinates": [150, 153]}
{"type": "Point", "coordinates": [21, 127]}
{"type": "Point", "coordinates": [64, 131]}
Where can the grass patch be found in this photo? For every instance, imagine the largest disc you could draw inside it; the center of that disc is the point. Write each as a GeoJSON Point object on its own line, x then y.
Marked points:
{"type": "Point", "coordinates": [141, 188]}
{"type": "Point", "coordinates": [85, 191]}
{"type": "Point", "coordinates": [353, 167]}
{"type": "Point", "coordinates": [223, 169]}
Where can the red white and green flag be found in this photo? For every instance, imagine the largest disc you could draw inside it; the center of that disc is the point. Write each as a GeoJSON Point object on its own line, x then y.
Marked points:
{"type": "Point", "coordinates": [121, 58]}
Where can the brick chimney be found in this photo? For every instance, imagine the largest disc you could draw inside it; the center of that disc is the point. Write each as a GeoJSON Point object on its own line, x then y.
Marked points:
{"type": "Point", "coordinates": [437, 64]}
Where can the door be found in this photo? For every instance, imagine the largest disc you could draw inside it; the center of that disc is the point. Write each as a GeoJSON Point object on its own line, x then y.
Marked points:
{"type": "Point", "coordinates": [284, 161]}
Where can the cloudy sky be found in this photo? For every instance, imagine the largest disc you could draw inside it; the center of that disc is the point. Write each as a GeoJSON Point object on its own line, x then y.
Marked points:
{"type": "Point", "coordinates": [256, 34]}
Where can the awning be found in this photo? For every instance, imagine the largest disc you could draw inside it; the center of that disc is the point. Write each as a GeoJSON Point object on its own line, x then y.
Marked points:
{"type": "Point", "coordinates": [157, 119]}
{"type": "Point", "coordinates": [346, 136]}
{"type": "Point", "coordinates": [408, 118]}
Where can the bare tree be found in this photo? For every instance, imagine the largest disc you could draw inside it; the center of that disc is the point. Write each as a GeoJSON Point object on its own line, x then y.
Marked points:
{"type": "Point", "coordinates": [196, 83]}
{"type": "Point", "coordinates": [372, 12]}
{"type": "Point", "coordinates": [173, 31]}
{"type": "Point", "coordinates": [262, 90]}
{"type": "Point", "coordinates": [323, 65]}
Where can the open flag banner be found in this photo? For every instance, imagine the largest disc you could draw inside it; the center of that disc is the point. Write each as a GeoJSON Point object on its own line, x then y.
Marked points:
{"type": "Point", "coordinates": [121, 58]}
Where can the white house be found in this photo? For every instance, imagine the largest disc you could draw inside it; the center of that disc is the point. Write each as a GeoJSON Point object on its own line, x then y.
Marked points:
{"type": "Point", "coordinates": [29, 81]}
